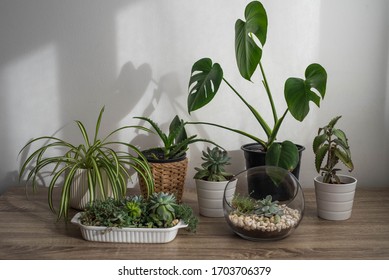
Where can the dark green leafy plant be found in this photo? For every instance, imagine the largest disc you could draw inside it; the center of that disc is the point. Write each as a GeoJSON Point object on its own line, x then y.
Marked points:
{"type": "Point", "coordinates": [213, 167]}
{"type": "Point", "coordinates": [207, 76]}
{"type": "Point", "coordinates": [332, 143]}
{"type": "Point", "coordinates": [175, 143]}
{"type": "Point", "coordinates": [95, 157]}
{"type": "Point", "coordinates": [159, 210]}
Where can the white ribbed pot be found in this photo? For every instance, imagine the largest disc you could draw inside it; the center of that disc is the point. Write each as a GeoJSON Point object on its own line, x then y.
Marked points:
{"type": "Point", "coordinates": [210, 197]}
{"type": "Point", "coordinates": [335, 201]}
{"type": "Point", "coordinates": [79, 192]}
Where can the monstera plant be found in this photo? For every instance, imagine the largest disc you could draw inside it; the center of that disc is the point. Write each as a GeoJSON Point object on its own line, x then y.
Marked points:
{"type": "Point", "coordinates": [250, 38]}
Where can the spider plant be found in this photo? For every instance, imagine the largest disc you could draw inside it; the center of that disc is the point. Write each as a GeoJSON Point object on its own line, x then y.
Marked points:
{"type": "Point", "coordinates": [96, 157]}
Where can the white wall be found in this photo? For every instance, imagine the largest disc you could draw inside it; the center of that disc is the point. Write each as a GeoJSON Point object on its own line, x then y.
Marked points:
{"type": "Point", "coordinates": [64, 60]}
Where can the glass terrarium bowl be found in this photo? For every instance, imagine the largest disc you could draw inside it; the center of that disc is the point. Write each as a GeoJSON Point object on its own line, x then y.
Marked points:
{"type": "Point", "coordinates": [267, 203]}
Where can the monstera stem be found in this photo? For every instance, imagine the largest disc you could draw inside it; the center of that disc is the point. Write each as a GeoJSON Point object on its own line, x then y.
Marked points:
{"type": "Point", "coordinates": [269, 95]}
{"type": "Point", "coordinates": [259, 118]}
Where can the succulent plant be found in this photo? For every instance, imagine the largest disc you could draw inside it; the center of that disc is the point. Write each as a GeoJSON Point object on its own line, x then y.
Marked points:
{"type": "Point", "coordinates": [109, 213]}
{"type": "Point", "coordinates": [333, 143]}
{"type": "Point", "coordinates": [157, 211]}
{"type": "Point", "coordinates": [244, 204]}
{"type": "Point", "coordinates": [134, 209]}
{"type": "Point", "coordinates": [162, 207]}
{"type": "Point", "coordinates": [213, 166]}
{"type": "Point", "coordinates": [268, 208]}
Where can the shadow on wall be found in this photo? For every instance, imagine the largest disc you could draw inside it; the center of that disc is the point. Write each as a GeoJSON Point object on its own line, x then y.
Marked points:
{"type": "Point", "coordinates": [72, 83]}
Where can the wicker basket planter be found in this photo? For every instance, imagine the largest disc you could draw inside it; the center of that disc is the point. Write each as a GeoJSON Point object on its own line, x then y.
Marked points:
{"type": "Point", "coordinates": [169, 175]}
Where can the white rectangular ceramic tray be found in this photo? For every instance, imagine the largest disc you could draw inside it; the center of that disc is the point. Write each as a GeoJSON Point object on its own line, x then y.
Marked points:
{"type": "Point", "coordinates": [127, 235]}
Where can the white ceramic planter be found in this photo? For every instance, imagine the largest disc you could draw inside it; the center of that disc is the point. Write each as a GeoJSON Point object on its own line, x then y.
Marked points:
{"type": "Point", "coordinates": [127, 235]}
{"type": "Point", "coordinates": [335, 201]}
{"type": "Point", "coordinates": [79, 192]}
{"type": "Point", "coordinates": [210, 197]}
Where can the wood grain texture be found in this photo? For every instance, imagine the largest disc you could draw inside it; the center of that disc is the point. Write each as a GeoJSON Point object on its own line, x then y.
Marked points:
{"type": "Point", "coordinates": [28, 230]}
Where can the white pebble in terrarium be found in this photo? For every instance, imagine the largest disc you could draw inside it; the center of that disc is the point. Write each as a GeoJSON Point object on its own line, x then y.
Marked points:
{"type": "Point", "coordinates": [268, 204]}
{"type": "Point", "coordinates": [264, 215]}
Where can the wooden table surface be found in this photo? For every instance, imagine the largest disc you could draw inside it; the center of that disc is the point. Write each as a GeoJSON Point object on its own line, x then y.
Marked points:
{"type": "Point", "coordinates": [29, 231]}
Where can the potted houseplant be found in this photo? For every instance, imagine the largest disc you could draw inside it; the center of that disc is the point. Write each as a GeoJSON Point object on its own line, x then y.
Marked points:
{"type": "Point", "coordinates": [334, 192]}
{"type": "Point", "coordinates": [103, 171]}
{"type": "Point", "coordinates": [211, 180]}
{"type": "Point", "coordinates": [136, 219]}
{"type": "Point", "coordinates": [206, 77]}
{"type": "Point", "coordinates": [169, 162]}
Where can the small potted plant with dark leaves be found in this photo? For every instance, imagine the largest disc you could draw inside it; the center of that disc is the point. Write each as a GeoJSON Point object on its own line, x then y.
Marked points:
{"type": "Point", "coordinates": [211, 180]}
{"type": "Point", "coordinates": [334, 192]}
{"type": "Point", "coordinates": [207, 76]}
{"type": "Point", "coordinates": [169, 162]}
{"type": "Point", "coordinates": [85, 171]}
{"type": "Point", "coordinates": [136, 219]}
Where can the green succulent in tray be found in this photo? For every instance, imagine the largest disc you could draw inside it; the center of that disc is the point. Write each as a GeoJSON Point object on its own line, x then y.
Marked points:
{"type": "Point", "coordinates": [162, 207]}
{"type": "Point", "coordinates": [159, 210]}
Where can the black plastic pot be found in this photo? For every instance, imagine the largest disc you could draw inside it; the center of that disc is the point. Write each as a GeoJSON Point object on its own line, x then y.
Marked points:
{"type": "Point", "coordinates": [259, 188]}
{"type": "Point", "coordinates": [156, 155]}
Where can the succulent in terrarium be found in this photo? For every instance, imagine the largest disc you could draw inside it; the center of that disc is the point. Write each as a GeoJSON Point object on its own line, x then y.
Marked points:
{"type": "Point", "coordinates": [268, 208]}
{"type": "Point", "coordinates": [243, 204]}
{"type": "Point", "coordinates": [162, 208]}
{"type": "Point", "coordinates": [213, 167]}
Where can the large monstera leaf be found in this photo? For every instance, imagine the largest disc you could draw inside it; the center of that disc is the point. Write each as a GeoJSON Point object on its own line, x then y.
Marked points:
{"type": "Point", "coordinates": [204, 82]}
{"type": "Point", "coordinates": [248, 53]}
{"type": "Point", "coordinates": [299, 92]}
{"type": "Point", "coordinates": [283, 155]}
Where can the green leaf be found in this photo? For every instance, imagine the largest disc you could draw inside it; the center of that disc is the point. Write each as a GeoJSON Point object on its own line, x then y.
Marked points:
{"type": "Point", "coordinates": [283, 154]}
{"type": "Point", "coordinates": [248, 53]}
{"type": "Point", "coordinates": [345, 159]}
{"type": "Point", "coordinates": [341, 136]}
{"type": "Point", "coordinates": [156, 128]}
{"type": "Point", "coordinates": [204, 83]}
{"type": "Point", "coordinates": [177, 130]}
{"type": "Point", "coordinates": [319, 156]}
{"type": "Point", "coordinates": [318, 141]}
{"type": "Point", "coordinates": [98, 124]}
{"type": "Point", "coordinates": [333, 121]}
{"type": "Point", "coordinates": [84, 133]}
{"type": "Point", "coordinates": [298, 92]}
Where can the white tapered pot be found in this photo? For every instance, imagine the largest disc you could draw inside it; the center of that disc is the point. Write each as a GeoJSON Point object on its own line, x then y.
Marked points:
{"type": "Point", "coordinates": [79, 192]}
{"type": "Point", "coordinates": [335, 201]}
{"type": "Point", "coordinates": [210, 197]}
